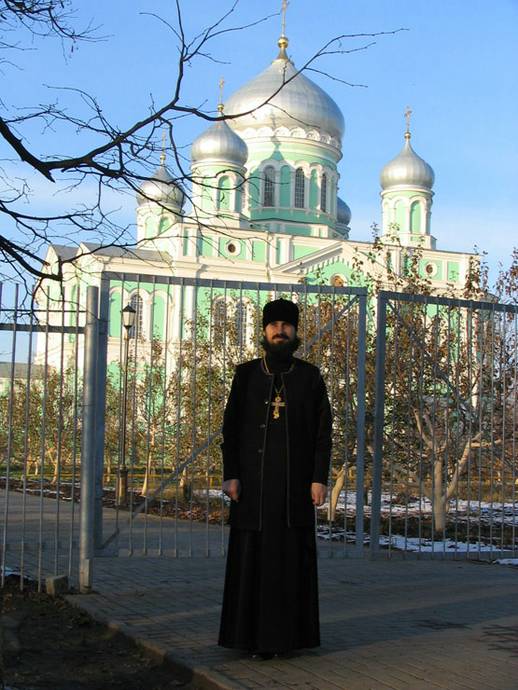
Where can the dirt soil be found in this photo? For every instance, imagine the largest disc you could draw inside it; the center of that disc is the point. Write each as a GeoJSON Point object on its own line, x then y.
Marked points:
{"type": "Point", "coordinates": [46, 643]}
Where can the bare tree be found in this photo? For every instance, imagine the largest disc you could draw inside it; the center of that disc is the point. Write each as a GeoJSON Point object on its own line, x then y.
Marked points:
{"type": "Point", "coordinates": [110, 155]}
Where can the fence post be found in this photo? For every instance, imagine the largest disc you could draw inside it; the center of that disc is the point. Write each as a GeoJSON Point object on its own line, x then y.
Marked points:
{"type": "Point", "coordinates": [100, 411]}
{"type": "Point", "coordinates": [379, 420]}
{"type": "Point", "coordinates": [88, 443]}
{"type": "Point", "coordinates": [360, 422]}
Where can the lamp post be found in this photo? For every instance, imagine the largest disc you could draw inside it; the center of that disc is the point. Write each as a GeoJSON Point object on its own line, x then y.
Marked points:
{"type": "Point", "coordinates": [121, 493]}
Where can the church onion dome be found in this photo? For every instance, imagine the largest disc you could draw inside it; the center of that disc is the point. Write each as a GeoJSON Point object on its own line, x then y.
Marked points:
{"type": "Point", "coordinates": [343, 212]}
{"type": "Point", "coordinates": [298, 104]}
{"type": "Point", "coordinates": [407, 169]}
{"type": "Point", "coordinates": [161, 188]}
{"type": "Point", "coordinates": [219, 144]}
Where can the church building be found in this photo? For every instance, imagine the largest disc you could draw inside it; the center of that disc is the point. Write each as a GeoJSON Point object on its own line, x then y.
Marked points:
{"type": "Point", "coordinates": [265, 207]}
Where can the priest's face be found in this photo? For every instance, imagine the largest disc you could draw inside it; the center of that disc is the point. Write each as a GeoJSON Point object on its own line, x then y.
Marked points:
{"type": "Point", "coordinates": [280, 337]}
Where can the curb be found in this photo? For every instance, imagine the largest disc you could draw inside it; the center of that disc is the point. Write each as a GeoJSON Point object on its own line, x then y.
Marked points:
{"type": "Point", "coordinates": [205, 677]}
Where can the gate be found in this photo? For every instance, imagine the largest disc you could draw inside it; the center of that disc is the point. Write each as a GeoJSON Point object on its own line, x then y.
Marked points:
{"type": "Point", "coordinates": [445, 474]}
{"type": "Point", "coordinates": [168, 375]}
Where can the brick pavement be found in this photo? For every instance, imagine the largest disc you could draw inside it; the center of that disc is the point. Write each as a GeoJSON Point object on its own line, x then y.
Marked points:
{"type": "Point", "coordinates": [398, 625]}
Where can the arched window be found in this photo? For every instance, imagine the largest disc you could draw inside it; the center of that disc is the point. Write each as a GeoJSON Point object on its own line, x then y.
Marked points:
{"type": "Point", "coordinates": [269, 187]}
{"type": "Point", "coordinates": [138, 305]}
{"type": "Point", "coordinates": [323, 193]}
{"type": "Point", "coordinates": [299, 188]}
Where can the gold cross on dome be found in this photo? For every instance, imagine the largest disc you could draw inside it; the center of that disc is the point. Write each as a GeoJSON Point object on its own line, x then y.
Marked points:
{"type": "Point", "coordinates": [284, 7]}
{"type": "Point", "coordinates": [408, 113]}
{"type": "Point", "coordinates": [220, 104]}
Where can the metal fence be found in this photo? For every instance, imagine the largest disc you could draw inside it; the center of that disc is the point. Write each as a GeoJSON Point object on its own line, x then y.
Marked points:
{"type": "Point", "coordinates": [445, 474]}
{"type": "Point", "coordinates": [423, 392]}
{"type": "Point", "coordinates": [40, 434]}
{"type": "Point", "coordinates": [167, 380]}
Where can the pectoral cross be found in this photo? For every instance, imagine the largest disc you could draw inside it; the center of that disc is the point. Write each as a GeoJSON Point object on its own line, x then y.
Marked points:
{"type": "Point", "coordinates": [276, 404]}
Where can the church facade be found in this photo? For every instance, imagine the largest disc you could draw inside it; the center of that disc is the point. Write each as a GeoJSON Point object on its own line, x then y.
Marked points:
{"type": "Point", "coordinates": [265, 207]}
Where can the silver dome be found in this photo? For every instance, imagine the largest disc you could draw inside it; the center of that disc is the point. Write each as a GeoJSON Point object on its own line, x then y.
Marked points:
{"type": "Point", "coordinates": [301, 103]}
{"type": "Point", "coordinates": [219, 144]}
{"type": "Point", "coordinates": [161, 188]}
{"type": "Point", "coordinates": [407, 168]}
{"type": "Point", "coordinates": [343, 212]}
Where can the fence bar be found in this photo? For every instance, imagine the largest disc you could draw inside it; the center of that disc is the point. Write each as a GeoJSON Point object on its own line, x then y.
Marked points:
{"type": "Point", "coordinates": [360, 423]}
{"type": "Point", "coordinates": [88, 454]}
{"type": "Point", "coordinates": [379, 418]}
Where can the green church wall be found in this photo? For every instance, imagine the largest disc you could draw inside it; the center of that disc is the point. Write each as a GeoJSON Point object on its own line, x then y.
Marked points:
{"type": "Point", "coordinates": [313, 190]}
{"type": "Point", "coordinates": [223, 248]}
{"type": "Point", "coordinates": [278, 249]}
{"type": "Point", "coordinates": [285, 190]}
{"type": "Point", "coordinates": [224, 194]}
{"type": "Point", "coordinates": [401, 216]}
{"type": "Point", "coordinates": [207, 246]}
{"type": "Point", "coordinates": [287, 215]}
{"type": "Point", "coordinates": [114, 328]}
{"type": "Point", "coordinates": [293, 150]}
{"type": "Point", "coordinates": [415, 217]}
{"type": "Point", "coordinates": [254, 186]}
{"type": "Point", "coordinates": [158, 311]}
{"type": "Point", "coordinates": [258, 251]}
{"type": "Point", "coordinates": [299, 251]}
{"type": "Point", "coordinates": [453, 271]}
{"type": "Point", "coordinates": [438, 272]}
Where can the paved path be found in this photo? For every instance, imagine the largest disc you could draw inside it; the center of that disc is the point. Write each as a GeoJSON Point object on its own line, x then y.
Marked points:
{"type": "Point", "coordinates": [385, 624]}
{"type": "Point", "coordinates": [414, 624]}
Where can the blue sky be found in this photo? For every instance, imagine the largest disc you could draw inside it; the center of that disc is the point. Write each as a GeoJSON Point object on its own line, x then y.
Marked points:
{"type": "Point", "coordinates": [455, 64]}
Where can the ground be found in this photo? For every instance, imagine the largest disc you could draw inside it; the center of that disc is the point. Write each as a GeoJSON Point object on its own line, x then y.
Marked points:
{"type": "Point", "coordinates": [48, 644]}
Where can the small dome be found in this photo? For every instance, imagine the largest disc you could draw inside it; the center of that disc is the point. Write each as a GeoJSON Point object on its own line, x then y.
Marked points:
{"type": "Point", "coordinates": [161, 188]}
{"type": "Point", "coordinates": [219, 144]}
{"type": "Point", "coordinates": [407, 168]}
{"type": "Point", "coordinates": [343, 212]}
{"type": "Point", "coordinates": [300, 103]}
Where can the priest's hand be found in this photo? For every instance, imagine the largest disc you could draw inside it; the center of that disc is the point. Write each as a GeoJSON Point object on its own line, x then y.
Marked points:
{"type": "Point", "coordinates": [318, 493]}
{"type": "Point", "coordinates": [232, 488]}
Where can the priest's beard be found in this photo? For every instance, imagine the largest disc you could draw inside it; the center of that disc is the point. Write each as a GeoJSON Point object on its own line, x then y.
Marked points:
{"type": "Point", "coordinates": [281, 348]}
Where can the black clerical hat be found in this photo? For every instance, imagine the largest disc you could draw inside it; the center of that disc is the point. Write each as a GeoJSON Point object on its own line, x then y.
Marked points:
{"type": "Point", "coordinates": [281, 310]}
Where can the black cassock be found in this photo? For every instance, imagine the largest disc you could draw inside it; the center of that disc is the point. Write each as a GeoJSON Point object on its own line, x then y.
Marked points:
{"type": "Point", "coordinates": [270, 601]}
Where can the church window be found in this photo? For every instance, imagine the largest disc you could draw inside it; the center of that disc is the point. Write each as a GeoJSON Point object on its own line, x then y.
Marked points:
{"type": "Point", "coordinates": [323, 193]}
{"type": "Point", "coordinates": [269, 187]}
{"type": "Point", "coordinates": [299, 188]}
{"type": "Point", "coordinates": [137, 331]}
{"type": "Point", "coordinates": [219, 319]}
{"type": "Point", "coordinates": [431, 269]}
{"type": "Point", "coordinates": [240, 321]}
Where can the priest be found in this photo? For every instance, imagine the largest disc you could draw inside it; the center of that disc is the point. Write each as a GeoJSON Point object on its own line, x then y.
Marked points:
{"type": "Point", "coordinates": [276, 453]}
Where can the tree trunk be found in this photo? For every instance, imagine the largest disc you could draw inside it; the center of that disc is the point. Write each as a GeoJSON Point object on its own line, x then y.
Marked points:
{"type": "Point", "coordinates": [335, 493]}
{"type": "Point", "coordinates": [439, 497]}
